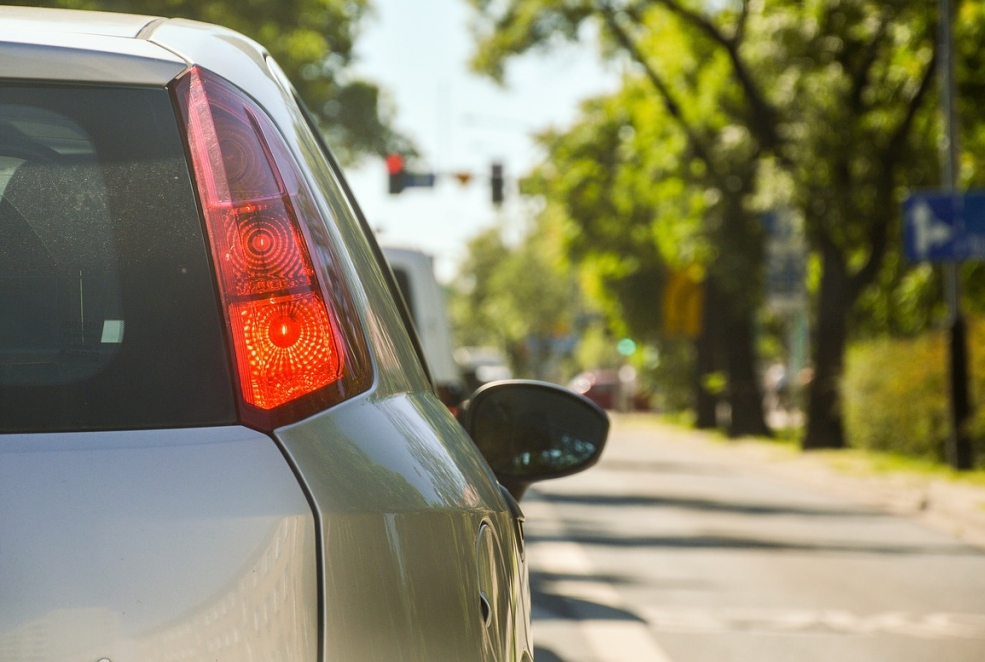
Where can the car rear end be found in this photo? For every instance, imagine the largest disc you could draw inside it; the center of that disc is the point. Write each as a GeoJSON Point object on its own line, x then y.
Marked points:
{"type": "Point", "coordinates": [140, 519]}
{"type": "Point", "coordinates": [216, 439]}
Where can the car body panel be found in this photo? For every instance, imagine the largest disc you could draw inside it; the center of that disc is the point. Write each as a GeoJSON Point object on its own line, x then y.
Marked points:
{"type": "Point", "coordinates": [385, 494]}
{"type": "Point", "coordinates": [54, 45]}
{"type": "Point", "coordinates": [234, 56]}
{"type": "Point", "coordinates": [153, 545]}
{"type": "Point", "coordinates": [400, 534]}
{"type": "Point", "coordinates": [68, 22]}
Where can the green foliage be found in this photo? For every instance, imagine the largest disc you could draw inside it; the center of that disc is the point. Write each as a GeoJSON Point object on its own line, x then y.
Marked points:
{"type": "Point", "coordinates": [671, 378]}
{"type": "Point", "coordinates": [857, 121]}
{"type": "Point", "coordinates": [519, 26]}
{"type": "Point", "coordinates": [905, 300]}
{"type": "Point", "coordinates": [629, 213]}
{"type": "Point", "coordinates": [969, 35]}
{"type": "Point", "coordinates": [597, 349]}
{"type": "Point", "coordinates": [312, 41]}
{"type": "Point", "coordinates": [728, 109]}
{"type": "Point", "coordinates": [896, 394]}
{"type": "Point", "coordinates": [519, 299]}
{"type": "Point", "coordinates": [472, 323]}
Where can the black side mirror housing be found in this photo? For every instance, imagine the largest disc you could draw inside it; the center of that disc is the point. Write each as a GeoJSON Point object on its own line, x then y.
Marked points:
{"type": "Point", "coordinates": [530, 431]}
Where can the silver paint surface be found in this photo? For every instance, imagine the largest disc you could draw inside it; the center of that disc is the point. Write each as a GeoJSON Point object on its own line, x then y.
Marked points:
{"type": "Point", "coordinates": [153, 545]}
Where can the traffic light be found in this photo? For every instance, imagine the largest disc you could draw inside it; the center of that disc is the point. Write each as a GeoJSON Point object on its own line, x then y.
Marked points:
{"type": "Point", "coordinates": [496, 181]}
{"type": "Point", "coordinates": [401, 178]}
{"type": "Point", "coordinates": [395, 168]}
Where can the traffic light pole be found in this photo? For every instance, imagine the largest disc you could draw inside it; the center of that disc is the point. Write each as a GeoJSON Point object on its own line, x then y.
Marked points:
{"type": "Point", "coordinates": [959, 453]}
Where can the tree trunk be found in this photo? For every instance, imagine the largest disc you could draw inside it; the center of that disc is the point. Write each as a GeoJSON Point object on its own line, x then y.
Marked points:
{"type": "Point", "coordinates": [745, 393]}
{"type": "Point", "coordinates": [825, 425]}
{"type": "Point", "coordinates": [707, 360]}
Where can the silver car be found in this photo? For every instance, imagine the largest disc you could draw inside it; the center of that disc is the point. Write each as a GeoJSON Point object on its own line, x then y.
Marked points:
{"type": "Point", "coordinates": [218, 438]}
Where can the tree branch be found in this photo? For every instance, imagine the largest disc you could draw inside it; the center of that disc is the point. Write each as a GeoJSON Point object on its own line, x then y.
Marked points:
{"type": "Point", "coordinates": [899, 137]}
{"type": "Point", "coordinates": [674, 108]}
{"type": "Point", "coordinates": [763, 120]}
{"type": "Point", "coordinates": [860, 77]}
{"type": "Point", "coordinates": [879, 232]}
{"type": "Point", "coordinates": [740, 24]}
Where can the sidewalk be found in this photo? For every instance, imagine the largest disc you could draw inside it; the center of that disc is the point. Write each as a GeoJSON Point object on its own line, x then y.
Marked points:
{"type": "Point", "coordinates": [954, 507]}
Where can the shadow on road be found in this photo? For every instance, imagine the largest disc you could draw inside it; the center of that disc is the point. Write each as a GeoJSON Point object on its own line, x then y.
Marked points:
{"type": "Point", "coordinates": [545, 655]}
{"type": "Point", "coordinates": [551, 606]}
{"type": "Point", "coordinates": [609, 539]}
{"type": "Point", "coordinates": [706, 505]}
{"type": "Point", "coordinates": [663, 467]}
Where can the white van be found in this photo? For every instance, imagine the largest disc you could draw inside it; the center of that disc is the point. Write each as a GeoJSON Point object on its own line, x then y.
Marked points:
{"type": "Point", "coordinates": [414, 272]}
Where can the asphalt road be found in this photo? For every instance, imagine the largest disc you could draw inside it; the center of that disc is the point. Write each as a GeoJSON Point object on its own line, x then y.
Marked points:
{"type": "Point", "coordinates": [676, 549]}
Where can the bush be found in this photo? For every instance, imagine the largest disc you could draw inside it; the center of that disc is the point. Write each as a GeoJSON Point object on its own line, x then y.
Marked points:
{"type": "Point", "coordinates": [896, 393]}
{"type": "Point", "coordinates": [895, 396]}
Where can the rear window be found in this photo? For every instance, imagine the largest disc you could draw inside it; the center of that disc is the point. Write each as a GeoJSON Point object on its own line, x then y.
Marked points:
{"type": "Point", "coordinates": [108, 314]}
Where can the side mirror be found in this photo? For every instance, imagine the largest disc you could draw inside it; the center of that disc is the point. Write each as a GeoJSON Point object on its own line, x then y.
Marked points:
{"type": "Point", "coordinates": [530, 431]}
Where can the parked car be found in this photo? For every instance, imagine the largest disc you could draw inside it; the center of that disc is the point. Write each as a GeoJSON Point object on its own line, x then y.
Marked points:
{"type": "Point", "coordinates": [600, 386]}
{"type": "Point", "coordinates": [413, 270]}
{"type": "Point", "coordinates": [217, 439]}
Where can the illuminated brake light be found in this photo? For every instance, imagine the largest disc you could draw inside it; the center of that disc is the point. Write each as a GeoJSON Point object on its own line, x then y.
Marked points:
{"type": "Point", "coordinates": [285, 338]}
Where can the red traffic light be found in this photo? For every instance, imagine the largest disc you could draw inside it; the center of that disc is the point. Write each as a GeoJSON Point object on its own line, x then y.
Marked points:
{"type": "Point", "coordinates": [395, 168]}
{"type": "Point", "coordinates": [394, 163]}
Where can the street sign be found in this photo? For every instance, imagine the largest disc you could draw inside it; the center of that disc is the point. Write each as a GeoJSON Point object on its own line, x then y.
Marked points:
{"type": "Point", "coordinates": [683, 300]}
{"type": "Point", "coordinates": [419, 179]}
{"type": "Point", "coordinates": [786, 261]}
{"type": "Point", "coordinates": [944, 227]}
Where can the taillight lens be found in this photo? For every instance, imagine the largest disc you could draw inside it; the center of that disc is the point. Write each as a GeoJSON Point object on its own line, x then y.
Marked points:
{"type": "Point", "coordinates": [292, 353]}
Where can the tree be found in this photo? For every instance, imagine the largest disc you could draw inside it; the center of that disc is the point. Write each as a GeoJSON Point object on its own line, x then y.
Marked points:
{"type": "Point", "coordinates": [856, 130]}
{"type": "Point", "coordinates": [834, 92]}
{"type": "Point", "coordinates": [312, 40]}
{"type": "Point", "coordinates": [522, 299]}
{"type": "Point", "coordinates": [695, 103]}
{"type": "Point", "coordinates": [471, 291]}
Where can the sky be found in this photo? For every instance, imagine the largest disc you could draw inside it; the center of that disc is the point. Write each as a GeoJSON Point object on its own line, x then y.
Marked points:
{"type": "Point", "coordinates": [417, 52]}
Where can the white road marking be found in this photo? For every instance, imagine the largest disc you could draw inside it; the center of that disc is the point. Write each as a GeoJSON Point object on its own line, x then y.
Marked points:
{"type": "Point", "coordinates": [610, 640]}
{"type": "Point", "coordinates": [560, 558]}
{"type": "Point", "coordinates": [780, 621]}
{"type": "Point", "coordinates": [620, 641]}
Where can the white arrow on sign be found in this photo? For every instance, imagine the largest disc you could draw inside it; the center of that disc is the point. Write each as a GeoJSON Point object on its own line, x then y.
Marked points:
{"type": "Point", "coordinates": [929, 230]}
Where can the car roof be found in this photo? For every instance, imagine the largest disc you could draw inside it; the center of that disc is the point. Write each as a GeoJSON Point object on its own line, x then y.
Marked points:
{"type": "Point", "coordinates": [82, 47]}
{"type": "Point", "coordinates": [69, 21]}
{"type": "Point", "coordinates": [75, 46]}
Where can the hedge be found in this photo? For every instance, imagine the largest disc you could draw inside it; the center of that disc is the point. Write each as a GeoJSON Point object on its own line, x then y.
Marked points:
{"type": "Point", "coordinates": [896, 394]}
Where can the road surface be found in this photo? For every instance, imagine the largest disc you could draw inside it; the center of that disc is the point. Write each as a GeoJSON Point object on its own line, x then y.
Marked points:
{"type": "Point", "coordinates": [675, 549]}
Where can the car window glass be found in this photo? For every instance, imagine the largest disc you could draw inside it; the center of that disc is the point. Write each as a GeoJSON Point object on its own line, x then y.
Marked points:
{"type": "Point", "coordinates": [107, 311]}
{"type": "Point", "coordinates": [57, 261]}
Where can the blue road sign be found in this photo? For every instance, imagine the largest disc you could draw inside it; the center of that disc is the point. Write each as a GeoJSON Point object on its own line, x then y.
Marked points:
{"type": "Point", "coordinates": [944, 227]}
{"type": "Point", "coordinates": [419, 179]}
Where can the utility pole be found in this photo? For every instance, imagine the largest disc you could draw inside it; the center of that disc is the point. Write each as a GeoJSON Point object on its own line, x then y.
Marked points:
{"type": "Point", "coordinates": [959, 453]}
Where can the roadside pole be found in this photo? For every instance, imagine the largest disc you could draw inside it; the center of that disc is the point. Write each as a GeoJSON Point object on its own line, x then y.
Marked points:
{"type": "Point", "coordinates": [959, 453]}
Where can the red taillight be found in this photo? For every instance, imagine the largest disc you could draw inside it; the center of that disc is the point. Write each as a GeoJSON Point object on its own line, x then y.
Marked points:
{"type": "Point", "coordinates": [286, 337]}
